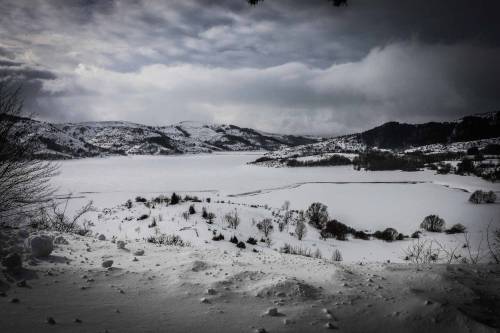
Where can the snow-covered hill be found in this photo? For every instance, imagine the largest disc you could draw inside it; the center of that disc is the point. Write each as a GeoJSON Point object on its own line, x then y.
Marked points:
{"type": "Point", "coordinates": [478, 130]}
{"type": "Point", "coordinates": [88, 139]}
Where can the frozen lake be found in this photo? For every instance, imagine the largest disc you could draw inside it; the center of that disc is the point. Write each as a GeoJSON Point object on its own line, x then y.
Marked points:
{"type": "Point", "coordinates": [370, 200]}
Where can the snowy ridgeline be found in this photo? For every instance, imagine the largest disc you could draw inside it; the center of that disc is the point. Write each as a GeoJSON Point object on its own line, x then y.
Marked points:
{"type": "Point", "coordinates": [61, 141]}
{"type": "Point", "coordinates": [350, 146]}
{"type": "Point", "coordinates": [478, 132]}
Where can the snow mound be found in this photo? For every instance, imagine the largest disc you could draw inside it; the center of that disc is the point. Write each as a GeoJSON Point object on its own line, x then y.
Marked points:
{"type": "Point", "coordinates": [240, 279]}
{"type": "Point", "coordinates": [199, 266]}
{"type": "Point", "coordinates": [290, 287]}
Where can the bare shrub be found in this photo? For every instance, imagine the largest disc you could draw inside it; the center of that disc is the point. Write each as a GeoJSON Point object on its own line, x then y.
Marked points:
{"type": "Point", "coordinates": [479, 197]}
{"type": "Point", "coordinates": [24, 180]}
{"type": "Point", "coordinates": [421, 252]}
{"type": "Point", "coordinates": [317, 213]}
{"type": "Point", "coordinates": [234, 240]}
{"type": "Point", "coordinates": [153, 223]}
{"type": "Point", "coordinates": [336, 229]}
{"type": "Point", "coordinates": [252, 241]}
{"type": "Point", "coordinates": [287, 215]}
{"type": "Point", "coordinates": [53, 217]}
{"type": "Point", "coordinates": [300, 226]}
{"type": "Point", "coordinates": [389, 235]}
{"type": "Point", "coordinates": [449, 254]}
{"type": "Point", "coordinates": [210, 218]}
{"type": "Point", "coordinates": [128, 204]}
{"type": "Point", "coordinates": [337, 255]}
{"type": "Point", "coordinates": [218, 237]}
{"type": "Point", "coordinates": [474, 255]}
{"type": "Point", "coordinates": [361, 235]}
{"type": "Point", "coordinates": [433, 223]}
{"type": "Point", "coordinates": [490, 197]}
{"type": "Point", "coordinates": [493, 242]}
{"type": "Point", "coordinates": [232, 219]}
{"type": "Point", "coordinates": [456, 229]}
{"type": "Point", "coordinates": [301, 251]}
{"type": "Point", "coordinates": [265, 226]}
{"type": "Point", "coordinates": [168, 240]}
{"type": "Point", "coordinates": [174, 199]}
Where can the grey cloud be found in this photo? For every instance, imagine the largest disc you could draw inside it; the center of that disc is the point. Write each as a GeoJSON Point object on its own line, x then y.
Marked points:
{"type": "Point", "coordinates": [404, 81]}
{"type": "Point", "coordinates": [294, 65]}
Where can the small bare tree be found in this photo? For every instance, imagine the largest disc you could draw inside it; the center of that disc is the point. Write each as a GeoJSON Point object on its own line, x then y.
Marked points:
{"type": "Point", "coordinates": [53, 217]}
{"type": "Point", "coordinates": [449, 253]}
{"type": "Point", "coordinates": [286, 217]}
{"type": "Point", "coordinates": [336, 255]}
{"type": "Point", "coordinates": [232, 219]}
{"type": "Point", "coordinates": [421, 252]}
{"type": "Point", "coordinates": [317, 213]}
{"type": "Point", "coordinates": [474, 256]}
{"type": "Point", "coordinates": [300, 226]}
{"type": "Point", "coordinates": [266, 226]}
{"type": "Point", "coordinates": [185, 216]}
{"type": "Point", "coordinates": [493, 242]}
{"type": "Point", "coordinates": [24, 180]}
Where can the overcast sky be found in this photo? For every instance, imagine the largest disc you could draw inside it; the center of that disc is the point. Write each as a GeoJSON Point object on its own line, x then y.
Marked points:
{"type": "Point", "coordinates": [302, 67]}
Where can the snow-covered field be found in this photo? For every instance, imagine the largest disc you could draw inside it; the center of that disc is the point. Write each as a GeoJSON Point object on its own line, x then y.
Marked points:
{"type": "Point", "coordinates": [93, 284]}
{"type": "Point", "coordinates": [364, 200]}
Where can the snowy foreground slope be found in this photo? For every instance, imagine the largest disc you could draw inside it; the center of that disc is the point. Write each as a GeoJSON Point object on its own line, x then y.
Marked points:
{"type": "Point", "coordinates": [191, 289]}
{"type": "Point", "coordinates": [211, 285]}
{"type": "Point", "coordinates": [63, 141]}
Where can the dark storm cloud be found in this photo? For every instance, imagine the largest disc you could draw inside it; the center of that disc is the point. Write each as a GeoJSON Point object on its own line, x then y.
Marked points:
{"type": "Point", "coordinates": [29, 79]}
{"type": "Point", "coordinates": [281, 66]}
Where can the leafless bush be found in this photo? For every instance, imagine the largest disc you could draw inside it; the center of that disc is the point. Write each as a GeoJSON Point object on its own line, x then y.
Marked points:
{"type": "Point", "coordinates": [286, 216]}
{"type": "Point", "coordinates": [168, 240]}
{"type": "Point", "coordinates": [493, 241]}
{"type": "Point", "coordinates": [421, 252]}
{"type": "Point", "coordinates": [479, 197]}
{"type": "Point", "coordinates": [24, 180]}
{"type": "Point", "coordinates": [433, 223]}
{"type": "Point", "coordinates": [300, 226]}
{"type": "Point", "coordinates": [337, 255]}
{"type": "Point", "coordinates": [475, 255]}
{"type": "Point", "coordinates": [53, 217]}
{"type": "Point", "coordinates": [449, 254]}
{"type": "Point", "coordinates": [317, 213]}
{"type": "Point", "coordinates": [232, 219]}
{"type": "Point", "coordinates": [301, 251]}
{"type": "Point", "coordinates": [266, 226]}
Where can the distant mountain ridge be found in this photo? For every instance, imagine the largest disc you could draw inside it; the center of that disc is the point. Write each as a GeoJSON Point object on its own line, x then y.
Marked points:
{"type": "Point", "coordinates": [75, 140]}
{"type": "Point", "coordinates": [87, 139]}
{"type": "Point", "coordinates": [394, 135]}
{"type": "Point", "coordinates": [475, 130]}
